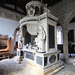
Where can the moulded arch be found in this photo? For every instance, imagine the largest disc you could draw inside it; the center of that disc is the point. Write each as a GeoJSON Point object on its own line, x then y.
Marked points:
{"type": "Point", "coordinates": [67, 20]}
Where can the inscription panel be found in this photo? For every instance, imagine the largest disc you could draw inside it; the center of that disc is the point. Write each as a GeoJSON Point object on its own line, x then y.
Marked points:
{"type": "Point", "coordinates": [30, 56]}
{"type": "Point", "coordinates": [39, 60]}
{"type": "Point", "coordinates": [51, 37]}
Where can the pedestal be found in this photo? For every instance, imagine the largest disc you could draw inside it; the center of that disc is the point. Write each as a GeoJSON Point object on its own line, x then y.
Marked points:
{"type": "Point", "coordinates": [41, 63]}
{"type": "Point", "coordinates": [20, 55]}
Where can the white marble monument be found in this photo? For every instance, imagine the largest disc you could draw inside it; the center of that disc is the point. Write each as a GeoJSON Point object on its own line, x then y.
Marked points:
{"type": "Point", "coordinates": [38, 40]}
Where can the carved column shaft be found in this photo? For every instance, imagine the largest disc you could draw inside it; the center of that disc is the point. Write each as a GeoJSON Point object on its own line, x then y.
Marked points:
{"type": "Point", "coordinates": [65, 44]}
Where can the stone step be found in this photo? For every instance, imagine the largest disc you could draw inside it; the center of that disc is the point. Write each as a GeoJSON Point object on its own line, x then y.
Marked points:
{"type": "Point", "coordinates": [55, 71]}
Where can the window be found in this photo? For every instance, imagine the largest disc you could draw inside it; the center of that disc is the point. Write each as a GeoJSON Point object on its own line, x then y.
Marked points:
{"type": "Point", "coordinates": [58, 37]}
{"type": "Point", "coordinates": [36, 10]}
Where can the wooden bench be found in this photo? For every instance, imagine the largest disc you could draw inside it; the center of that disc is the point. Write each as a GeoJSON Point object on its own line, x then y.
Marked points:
{"type": "Point", "coordinates": [4, 55]}
{"type": "Point", "coordinates": [5, 46]}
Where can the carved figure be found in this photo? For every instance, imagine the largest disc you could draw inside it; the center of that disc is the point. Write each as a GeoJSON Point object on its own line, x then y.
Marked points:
{"type": "Point", "coordinates": [40, 40]}
{"type": "Point", "coordinates": [20, 42]}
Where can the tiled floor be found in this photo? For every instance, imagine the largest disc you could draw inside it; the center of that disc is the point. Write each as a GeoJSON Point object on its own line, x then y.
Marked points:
{"type": "Point", "coordinates": [10, 67]}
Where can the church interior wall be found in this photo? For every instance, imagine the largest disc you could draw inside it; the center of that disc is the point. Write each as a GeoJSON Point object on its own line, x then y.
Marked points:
{"type": "Point", "coordinates": [71, 26]}
{"type": "Point", "coordinates": [7, 27]}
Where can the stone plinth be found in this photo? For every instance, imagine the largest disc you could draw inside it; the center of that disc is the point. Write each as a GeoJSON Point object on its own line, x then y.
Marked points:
{"type": "Point", "coordinates": [35, 69]}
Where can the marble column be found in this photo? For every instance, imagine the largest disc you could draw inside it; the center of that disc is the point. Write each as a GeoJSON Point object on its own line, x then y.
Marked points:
{"type": "Point", "coordinates": [65, 44]}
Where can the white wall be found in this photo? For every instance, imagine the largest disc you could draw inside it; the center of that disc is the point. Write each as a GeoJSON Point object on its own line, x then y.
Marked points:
{"type": "Point", "coordinates": [7, 27]}
{"type": "Point", "coordinates": [70, 27]}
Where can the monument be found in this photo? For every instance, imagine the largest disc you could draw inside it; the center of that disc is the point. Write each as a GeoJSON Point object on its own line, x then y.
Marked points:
{"type": "Point", "coordinates": [38, 40]}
